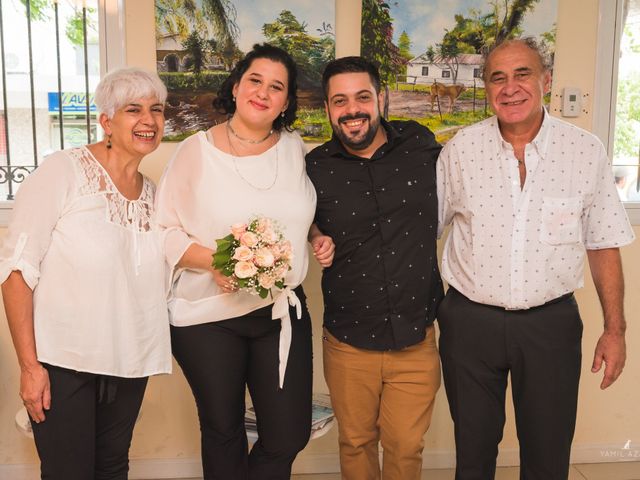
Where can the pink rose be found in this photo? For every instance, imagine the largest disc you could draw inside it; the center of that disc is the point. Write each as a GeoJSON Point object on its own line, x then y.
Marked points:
{"type": "Point", "coordinates": [264, 224]}
{"type": "Point", "coordinates": [249, 239]}
{"type": "Point", "coordinates": [287, 250]}
{"type": "Point", "coordinates": [269, 236]}
{"type": "Point", "coordinates": [281, 271]}
{"type": "Point", "coordinates": [237, 229]}
{"type": "Point", "coordinates": [264, 257]}
{"type": "Point", "coordinates": [276, 251]}
{"type": "Point", "coordinates": [245, 270]}
{"type": "Point", "coordinates": [266, 281]}
{"type": "Point", "coordinates": [242, 253]}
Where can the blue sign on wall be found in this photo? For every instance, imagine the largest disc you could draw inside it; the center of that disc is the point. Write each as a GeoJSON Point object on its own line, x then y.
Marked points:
{"type": "Point", "coordinates": [72, 102]}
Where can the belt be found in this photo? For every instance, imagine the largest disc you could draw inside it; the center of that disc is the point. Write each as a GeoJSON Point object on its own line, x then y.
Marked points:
{"type": "Point", "coordinates": [559, 299]}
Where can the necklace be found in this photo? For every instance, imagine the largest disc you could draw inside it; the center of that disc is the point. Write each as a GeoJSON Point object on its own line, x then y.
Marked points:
{"type": "Point", "coordinates": [248, 140]}
{"type": "Point", "coordinates": [234, 155]}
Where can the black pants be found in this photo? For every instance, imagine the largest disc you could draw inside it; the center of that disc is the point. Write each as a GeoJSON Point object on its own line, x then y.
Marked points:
{"type": "Point", "coordinates": [219, 359]}
{"type": "Point", "coordinates": [541, 348]}
{"type": "Point", "coordinates": [87, 432]}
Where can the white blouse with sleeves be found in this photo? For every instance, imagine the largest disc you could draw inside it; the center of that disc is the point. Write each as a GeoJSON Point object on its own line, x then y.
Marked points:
{"type": "Point", "coordinates": [203, 192]}
{"type": "Point", "coordinates": [96, 266]}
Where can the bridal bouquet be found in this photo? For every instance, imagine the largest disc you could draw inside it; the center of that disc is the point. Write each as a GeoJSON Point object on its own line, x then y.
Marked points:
{"type": "Point", "coordinates": [256, 254]}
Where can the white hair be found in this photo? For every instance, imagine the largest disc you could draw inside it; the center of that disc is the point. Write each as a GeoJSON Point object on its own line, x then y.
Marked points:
{"type": "Point", "coordinates": [126, 85]}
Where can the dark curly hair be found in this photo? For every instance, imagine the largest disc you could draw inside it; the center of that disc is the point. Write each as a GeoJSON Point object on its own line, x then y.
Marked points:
{"type": "Point", "coordinates": [224, 101]}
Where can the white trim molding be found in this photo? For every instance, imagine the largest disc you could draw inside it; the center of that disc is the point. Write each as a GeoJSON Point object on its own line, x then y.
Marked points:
{"type": "Point", "coordinates": [633, 211]}
{"type": "Point", "coordinates": [605, 95]}
{"type": "Point", "coordinates": [6, 207]}
{"type": "Point", "coordinates": [605, 92]}
{"type": "Point", "coordinates": [113, 44]}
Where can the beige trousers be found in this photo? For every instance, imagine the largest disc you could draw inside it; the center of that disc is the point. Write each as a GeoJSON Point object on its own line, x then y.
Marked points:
{"type": "Point", "coordinates": [384, 396]}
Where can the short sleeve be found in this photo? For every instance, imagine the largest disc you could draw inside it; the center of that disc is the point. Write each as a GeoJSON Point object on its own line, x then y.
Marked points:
{"type": "Point", "coordinates": [606, 223]}
{"type": "Point", "coordinates": [39, 204]}
{"type": "Point", "coordinates": [444, 172]}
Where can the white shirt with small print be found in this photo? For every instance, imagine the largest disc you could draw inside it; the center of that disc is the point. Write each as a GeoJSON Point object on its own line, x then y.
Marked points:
{"type": "Point", "coordinates": [520, 248]}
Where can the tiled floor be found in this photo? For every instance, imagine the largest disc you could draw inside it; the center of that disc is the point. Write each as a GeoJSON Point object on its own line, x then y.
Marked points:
{"type": "Point", "coordinates": [593, 471]}
{"type": "Point", "coordinates": [590, 471]}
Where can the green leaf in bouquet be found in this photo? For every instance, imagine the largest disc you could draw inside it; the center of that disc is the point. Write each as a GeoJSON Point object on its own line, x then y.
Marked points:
{"type": "Point", "coordinates": [228, 270]}
{"type": "Point", "coordinates": [263, 292]}
{"type": "Point", "coordinates": [242, 282]}
{"type": "Point", "coordinates": [225, 243]}
{"type": "Point", "coordinates": [221, 259]}
{"type": "Point", "coordinates": [279, 284]}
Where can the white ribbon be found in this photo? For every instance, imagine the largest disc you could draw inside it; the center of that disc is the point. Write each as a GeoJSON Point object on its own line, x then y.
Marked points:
{"type": "Point", "coordinates": [280, 311]}
{"type": "Point", "coordinates": [134, 213]}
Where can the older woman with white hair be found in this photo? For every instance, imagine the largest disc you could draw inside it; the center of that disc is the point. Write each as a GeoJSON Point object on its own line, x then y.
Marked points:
{"type": "Point", "coordinates": [82, 272]}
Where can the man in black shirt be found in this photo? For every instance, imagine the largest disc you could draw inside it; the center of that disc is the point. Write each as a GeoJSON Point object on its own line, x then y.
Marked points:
{"type": "Point", "coordinates": [376, 189]}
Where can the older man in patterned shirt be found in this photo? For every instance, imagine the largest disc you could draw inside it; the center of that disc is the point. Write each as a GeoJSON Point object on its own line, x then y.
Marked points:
{"type": "Point", "coordinates": [376, 190]}
{"type": "Point", "coordinates": [526, 194]}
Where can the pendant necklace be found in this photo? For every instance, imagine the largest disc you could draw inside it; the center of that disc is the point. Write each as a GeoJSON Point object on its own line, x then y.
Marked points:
{"type": "Point", "coordinates": [234, 154]}
{"type": "Point", "coordinates": [248, 140]}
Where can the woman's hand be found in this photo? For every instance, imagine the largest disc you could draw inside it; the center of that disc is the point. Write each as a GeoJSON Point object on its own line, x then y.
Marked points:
{"type": "Point", "coordinates": [323, 249]}
{"type": "Point", "coordinates": [226, 284]}
{"type": "Point", "coordinates": [200, 257]}
{"type": "Point", "coordinates": [35, 391]}
{"type": "Point", "coordinates": [34, 378]}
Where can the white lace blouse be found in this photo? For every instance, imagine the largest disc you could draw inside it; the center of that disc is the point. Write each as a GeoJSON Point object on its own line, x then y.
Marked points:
{"type": "Point", "coordinates": [95, 262]}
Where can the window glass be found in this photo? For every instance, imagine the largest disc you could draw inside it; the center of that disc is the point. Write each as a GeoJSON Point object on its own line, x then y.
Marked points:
{"type": "Point", "coordinates": [626, 147]}
{"type": "Point", "coordinates": [47, 64]}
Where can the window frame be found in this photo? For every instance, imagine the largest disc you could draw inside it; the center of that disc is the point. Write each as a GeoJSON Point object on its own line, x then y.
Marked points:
{"type": "Point", "coordinates": [606, 83]}
{"type": "Point", "coordinates": [111, 20]}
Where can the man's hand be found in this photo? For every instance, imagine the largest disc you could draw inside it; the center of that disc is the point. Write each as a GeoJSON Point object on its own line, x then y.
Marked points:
{"type": "Point", "coordinates": [606, 270]}
{"type": "Point", "coordinates": [323, 246]}
{"type": "Point", "coordinates": [610, 349]}
{"type": "Point", "coordinates": [323, 250]}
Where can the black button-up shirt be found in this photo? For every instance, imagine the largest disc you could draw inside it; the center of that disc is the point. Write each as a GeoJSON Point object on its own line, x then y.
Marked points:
{"type": "Point", "coordinates": [384, 286]}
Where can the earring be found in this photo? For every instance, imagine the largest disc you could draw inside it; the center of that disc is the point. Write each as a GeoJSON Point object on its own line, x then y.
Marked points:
{"type": "Point", "coordinates": [234, 99]}
{"type": "Point", "coordinates": [282, 114]}
{"type": "Point", "coordinates": [109, 141]}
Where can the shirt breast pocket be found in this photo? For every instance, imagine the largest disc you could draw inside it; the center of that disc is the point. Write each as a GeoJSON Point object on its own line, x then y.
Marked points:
{"type": "Point", "coordinates": [561, 220]}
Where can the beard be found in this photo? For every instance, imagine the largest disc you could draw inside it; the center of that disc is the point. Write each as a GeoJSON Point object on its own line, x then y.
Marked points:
{"type": "Point", "coordinates": [359, 141]}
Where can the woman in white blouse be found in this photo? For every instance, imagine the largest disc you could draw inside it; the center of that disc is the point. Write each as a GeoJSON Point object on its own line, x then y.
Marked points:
{"type": "Point", "coordinates": [224, 339]}
{"type": "Point", "coordinates": [82, 272]}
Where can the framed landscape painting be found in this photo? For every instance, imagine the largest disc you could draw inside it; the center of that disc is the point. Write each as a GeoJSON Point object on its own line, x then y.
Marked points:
{"type": "Point", "coordinates": [430, 53]}
{"type": "Point", "coordinates": [199, 41]}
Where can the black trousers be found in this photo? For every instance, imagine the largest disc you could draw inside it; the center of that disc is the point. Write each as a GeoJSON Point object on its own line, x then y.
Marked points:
{"type": "Point", "coordinates": [218, 360]}
{"type": "Point", "coordinates": [541, 348]}
{"type": "Point", "coordinates": [87, 432]}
